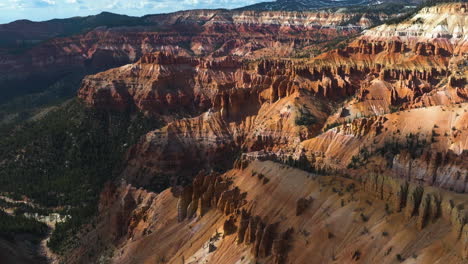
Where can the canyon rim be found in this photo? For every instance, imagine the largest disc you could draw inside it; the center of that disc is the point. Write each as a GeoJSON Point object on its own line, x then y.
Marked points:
{"type": "Point", "coordinates": [293, 131]}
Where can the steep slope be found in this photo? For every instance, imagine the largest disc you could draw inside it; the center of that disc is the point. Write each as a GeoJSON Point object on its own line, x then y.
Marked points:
{"type": "Point", "coordinates": [270, 213]}
{"type": "Point", "coordinates": [200, 33]}
{"type": "Point", "coordinates": [248, 107]}
{"type": "Point", "coordinates": [408, 66]}
{"type": "Point", "coordinates": [380, 123]}
{"type": "Point", "coordinates": [281, 109]}
{"type": "Point", "coordinates": [426, 145]}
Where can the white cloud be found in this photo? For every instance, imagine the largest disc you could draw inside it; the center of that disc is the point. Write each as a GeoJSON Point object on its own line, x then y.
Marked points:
{"type": "Point", "coordinates": [50, 2]}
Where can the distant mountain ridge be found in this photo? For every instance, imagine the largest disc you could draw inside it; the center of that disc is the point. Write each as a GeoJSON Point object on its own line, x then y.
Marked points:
{"type": "Point", "coordinates": [26, 33]}
{"type": "Point", "coordinates": [22, 34]}
{"type": "Point", "coordinates": [59, 47]}
{"type": "Point", "coordinates": [304, 5]}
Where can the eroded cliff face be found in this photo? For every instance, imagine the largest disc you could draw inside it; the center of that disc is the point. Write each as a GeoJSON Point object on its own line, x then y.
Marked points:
{"type": "Point", "coordinates": [426, 145]}
{"type": "Point", "coordinates": [271, 213]}
{"type": "Point", "coordinates": [409, 65]}
{"type": "Point", "coordinates": [420, 77]}
{"type": "Point", "coordinates": [443, 21]}
{"type": "Point", "coordinates": [388, 112]}
{"type": "Point", "coordinates": [199, 33]}
{"type": "Point", "coordinates": [283, 108]}
{"type": "Point", "coordinates": [244, 106]}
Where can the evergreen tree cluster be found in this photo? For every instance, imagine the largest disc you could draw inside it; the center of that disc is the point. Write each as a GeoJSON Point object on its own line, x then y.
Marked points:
{"type": "Point", "coordinates": [64, 159]}
{"type": "Point", "coordinates": [11, 225]}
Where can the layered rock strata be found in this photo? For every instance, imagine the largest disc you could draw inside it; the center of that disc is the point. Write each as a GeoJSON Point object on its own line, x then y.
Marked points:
{"type": "Point", "coordinates": [240, 224]}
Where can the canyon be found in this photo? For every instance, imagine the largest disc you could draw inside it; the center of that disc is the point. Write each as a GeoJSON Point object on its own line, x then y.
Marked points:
{"type": "Point", "coordinates": [266, 212]}
{"type": "Point", "coordinates": [256, 106]}
{"type": "Point", "coordinates": [40, 56]}
{"type": "Point", "coordinates": [376, 131]}
{"type": "Point", "coordinates": [276, 143]}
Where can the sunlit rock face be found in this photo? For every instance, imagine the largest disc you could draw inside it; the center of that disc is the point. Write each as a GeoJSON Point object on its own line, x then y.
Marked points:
{"type": "Point", "coordinates": [377, 131]}
{"type": "Point", "coordinates": [204, 33]}
{"type": "Point", "coordinates": [387, 87]}
{"type": "Point", "coordinates": [265, 211]}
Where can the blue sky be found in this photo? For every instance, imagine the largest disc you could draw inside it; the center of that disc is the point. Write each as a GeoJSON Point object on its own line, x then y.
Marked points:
{"type": "Point", "coordinates": [39, 10]}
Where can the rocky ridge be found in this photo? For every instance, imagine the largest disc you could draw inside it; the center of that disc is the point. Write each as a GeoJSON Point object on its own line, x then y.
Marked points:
{"type": "Point", "coordinates": [384, 118]}
{"type": "Point", "coordinates": [410, 79]}
{"type": "Point", "coordinates": [229, 218]}
{"type": "Point", "coordinates": [200, 33]}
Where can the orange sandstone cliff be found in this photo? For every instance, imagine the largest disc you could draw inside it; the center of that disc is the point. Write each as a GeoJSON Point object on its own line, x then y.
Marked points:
{"type": "Point", "coordinates": [377, 131]}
